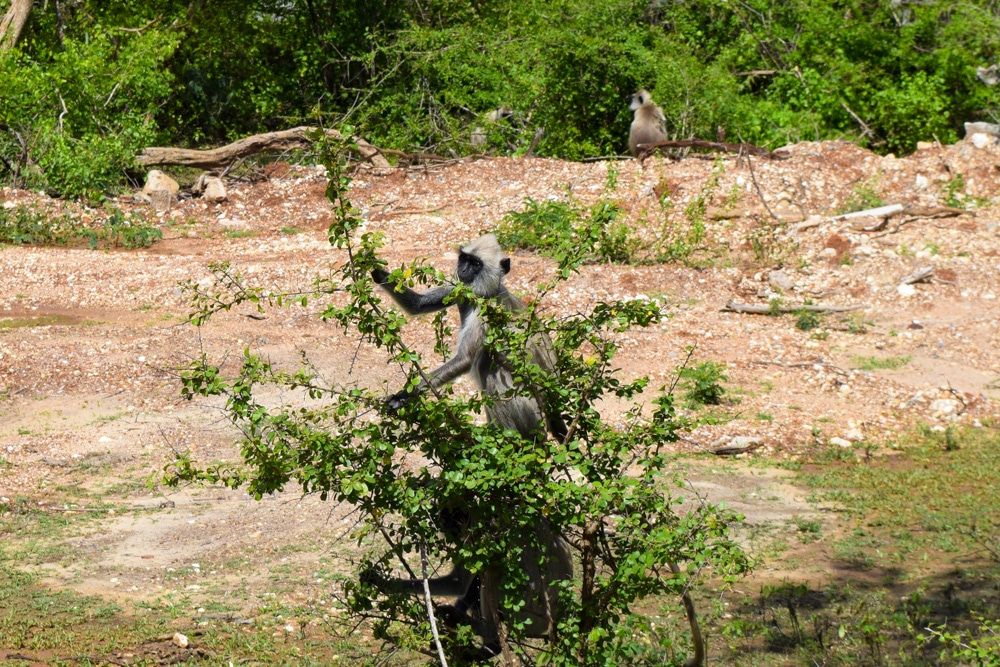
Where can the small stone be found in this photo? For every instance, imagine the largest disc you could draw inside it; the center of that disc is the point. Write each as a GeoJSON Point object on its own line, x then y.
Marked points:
{"type": "Point", "coordinates": [840, 442]}
{"type": "Point", "coordinates": [215, 190]}
{"type": "Point", "coordinates": [180, 640]}
{"type": "Point", "coordinates": [944, 406]}
{"type": "Point", "coordinates": [921, 182]}
{"type": "Point", "coordinates": [980, 140]}
{"type": "Point", "coordinates": [981, 128]}
{"type": "Point", "coordinates": [780, 280]}
{"type": "Point", "coordinates": [906, 290]}
{"type": "Point", "coordinates": [854, 435]}
{"type": "Point", "coordinates": [828, 253]}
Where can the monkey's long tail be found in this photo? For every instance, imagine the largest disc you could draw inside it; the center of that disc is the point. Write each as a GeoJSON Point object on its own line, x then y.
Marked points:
{"type": "Point", "coordinates": [698, 659]}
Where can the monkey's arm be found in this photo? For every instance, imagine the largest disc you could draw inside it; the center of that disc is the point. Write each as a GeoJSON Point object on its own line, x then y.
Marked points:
{"type": "Point", "coordinates": [454, 584]}
{"type": "Point", "coordinates": [470, 342]}
{"type": "Point", "coordinates": [411, 301]}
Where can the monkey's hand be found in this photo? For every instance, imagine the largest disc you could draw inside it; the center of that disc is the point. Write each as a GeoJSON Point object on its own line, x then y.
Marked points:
{"type": "Point", "coordinates": [398, 400]}
{"type": "Point", "coordinates": [370, 575]}
{"type": "Point", "coordinates": [380, 276]}
{"type": "Point", "coordinates": [452, 615]}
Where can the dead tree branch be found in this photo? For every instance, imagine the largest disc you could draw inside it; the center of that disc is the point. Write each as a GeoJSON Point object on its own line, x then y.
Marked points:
{"type": "Point", "coordinates": [269, 142]}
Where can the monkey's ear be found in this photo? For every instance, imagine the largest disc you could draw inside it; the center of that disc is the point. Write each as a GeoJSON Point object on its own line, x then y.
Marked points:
{"type": "Point", "coordinates": [505, 265]}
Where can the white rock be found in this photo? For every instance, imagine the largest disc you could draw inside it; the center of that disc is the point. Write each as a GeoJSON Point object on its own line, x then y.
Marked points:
{"type": "Point", "coordinates": [840, 442]}
{"type": "Point", "coordinates": [157, 180]}
{"type": "Point", "coordinates": [854, 435]}
{"type": "Point", "coordinates": [780, 280]}
{"type": "Point", "coordinates": [944, 406]}
{"type": "Point", "coordinates": [180, 640]}
{"type": "Point", "coordinates": [980, 140]}
{"type": "Point", "coordinates": [921, 182]}
{"type": "Point", "coordinates": [906, 290]}
{"type": "Point", "coordinates": [215, 190]}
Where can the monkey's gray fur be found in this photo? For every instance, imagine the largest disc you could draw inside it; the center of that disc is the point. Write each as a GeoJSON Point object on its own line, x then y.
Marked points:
{"type": "Point", "coordinates": [482, 266]}
{"type": "Point", "coordinates": [647, 122]}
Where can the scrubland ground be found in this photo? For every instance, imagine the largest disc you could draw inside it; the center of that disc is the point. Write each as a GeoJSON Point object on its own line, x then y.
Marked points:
{"type": "Point", "coordinates": [870, 487]}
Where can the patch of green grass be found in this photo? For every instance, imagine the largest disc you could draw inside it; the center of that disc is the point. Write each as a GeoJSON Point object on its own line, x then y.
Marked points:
{"type": "Point", "coordinates": [291, 230]}
{"type": "Point", "coordinates": [24, 225]}
{"type": "Point", "coordinates": [944, 484]}
{"type": "Point", "coordinates": [239, 233]}
{"type": "Point", "coordinates": [879, 363]}
{"type": "Point", "coordinates": [864, 195]}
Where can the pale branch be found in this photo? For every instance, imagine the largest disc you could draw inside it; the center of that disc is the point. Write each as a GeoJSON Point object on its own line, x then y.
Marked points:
{"type": "Point", "coordinates": [739, 149]}
{"type": "Point", "coordinates": [771, 308]}
{"type": "Point", "coordinates": [919, 275]}
{"type": "Point", "coordinates": [269, 142]}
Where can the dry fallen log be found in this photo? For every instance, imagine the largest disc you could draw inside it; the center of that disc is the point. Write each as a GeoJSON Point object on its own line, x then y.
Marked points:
{"type": "Point", "coordinates": [645, 150]}
{"type": "Point", "coordinates": [919, 275]}
{"type": "Point", "coordinates": [886, 211]}
{"type": "Point", "coordinates": [269, 142]}
{"type": "Point", "coordinates": [769, 309]}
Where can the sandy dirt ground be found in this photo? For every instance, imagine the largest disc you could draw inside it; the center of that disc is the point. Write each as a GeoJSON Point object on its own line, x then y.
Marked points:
{"type": "Point", "coordinates": [91, 341]}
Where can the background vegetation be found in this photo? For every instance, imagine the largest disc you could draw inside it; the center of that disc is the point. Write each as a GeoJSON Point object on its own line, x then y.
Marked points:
{"type": "Point", "coordinates": [90, 82]}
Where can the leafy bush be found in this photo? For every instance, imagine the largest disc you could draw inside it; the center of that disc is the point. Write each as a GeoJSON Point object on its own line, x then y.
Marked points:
{"type": "Point", "coordinates": [555, 228]}
{"type": "Point", "coordinates": [75, 119]}
{"type": "Point", "coordinates": [605, 487]}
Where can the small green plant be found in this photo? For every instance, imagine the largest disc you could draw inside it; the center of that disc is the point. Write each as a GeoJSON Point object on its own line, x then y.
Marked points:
{"type": "Point", "coordinates": [954, 191]}
{"type": "Point", "coordinates": [702, 383]}
{"type": "Point", "coordinates": [864, 195]}
{"type": "Point", "coordinates": [857, 324]}
{"type": "Point", "coordinates": [879, 363]}
{"type": "Point", "coordinates": [239, 233]}
{"type": "Point", "coordinates": [982, 650]}
{"type": "Point", "coordinates": [807, 320]}
{"type": "Point", "coordinates": [290, 230]}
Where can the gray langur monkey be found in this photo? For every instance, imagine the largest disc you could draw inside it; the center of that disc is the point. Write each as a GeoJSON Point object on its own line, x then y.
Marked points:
{"type": "Point", "coordinates": [482, 266]}
{"type": "Point", "coordinates": [647, 122]}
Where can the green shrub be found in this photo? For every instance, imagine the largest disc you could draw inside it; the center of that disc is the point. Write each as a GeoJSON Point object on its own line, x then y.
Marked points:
{"type": "Point", "coordinates": [77, 117]}
{"type": "Point", "coordinates": [553, 228]}
{"type": "Point", "coordinates": [702, 383]}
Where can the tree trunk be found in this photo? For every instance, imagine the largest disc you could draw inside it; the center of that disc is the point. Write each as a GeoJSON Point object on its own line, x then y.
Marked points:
{"type": "Point", "coordinates": [269, 142]}
{"type": "Point", "coordinates": [13, 23]}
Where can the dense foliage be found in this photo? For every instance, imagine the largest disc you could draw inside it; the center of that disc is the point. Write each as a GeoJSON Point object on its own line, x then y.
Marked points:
{"type": "Point", "coordinates": [99, 79]}
{"type": "Point", "coordinates": [607, 487]}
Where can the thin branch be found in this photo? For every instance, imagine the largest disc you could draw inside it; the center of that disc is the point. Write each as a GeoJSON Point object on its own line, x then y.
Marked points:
{"type": "Point", "coordinates": [430, 605]}
{"type": "Point", "coordinates": [866, 131]}
{"type": "Point", "coordinates": [756, 185]}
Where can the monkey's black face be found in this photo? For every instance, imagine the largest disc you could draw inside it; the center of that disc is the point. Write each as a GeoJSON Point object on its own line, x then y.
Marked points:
{"type": "Point", "coordinates": [469, 267]}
